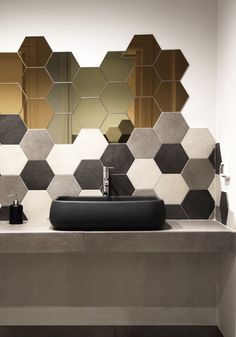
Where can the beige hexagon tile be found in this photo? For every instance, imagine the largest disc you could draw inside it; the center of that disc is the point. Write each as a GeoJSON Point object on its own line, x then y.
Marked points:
{"type": "Point", "coordinates": [144, 173]}
{"type": "Point", "coordinates": [90, 193]}
{"type": "Point", "coordinates": [171, 188]}
{"type": "Point", "coordinates": [36, 205]}
{"type": "Point", "coordinates": [12, 160]}
{"type": "Point", "coordinates": [198, 143]}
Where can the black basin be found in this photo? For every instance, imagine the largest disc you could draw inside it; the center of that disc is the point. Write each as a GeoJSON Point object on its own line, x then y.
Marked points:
{"type": "Point", "coordinates": [107, 213]}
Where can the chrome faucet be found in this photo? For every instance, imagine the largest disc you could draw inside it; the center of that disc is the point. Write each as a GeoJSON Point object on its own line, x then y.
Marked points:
{"type": "Point", "coordinates": [106, 180]}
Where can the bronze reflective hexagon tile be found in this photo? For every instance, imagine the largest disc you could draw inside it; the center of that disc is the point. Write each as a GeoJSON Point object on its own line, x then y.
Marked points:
{"type": "Point", "coordinates": [37, 174]}
{"type": "Point", "coordinates": [12, 129]}
{"type": "Point", "coordinates": [36, 144]}
{"type": "Point", "coordinates": [116, 66]}
{"type": "Point", "coordinates": [62, 66]}
{"type": "Point", "coordinates": [36, 83]}
{"type": "Point", "coordinates": [63, 97]}
{"type": "Point", "coordinates": [144, 112]}
{"type": "Point", "coordinates": [37, 113]}
{"type": "Point", "coordinates": [198, 174]}
{"type": "Point", "coordinates": [171, 127]}
{"type": "Point", "coordinates": [11, 68]}
{"type": "Point", "coordinates": [144, 143]}
{"type": "Point", "coordinates": [89, 174]}
{"type": "Point", "coordinates": [89, 82]}
{"type": "Point", "coordinates": [117, 156]}
{"type": "Point", "coordinates": [198, 204]}
{"type": "Point", "coordinates": [144, 81]}
{"type": "Point", "coordinates": [171, 158]}
{"type": "Point", "coordinates": [35, 51]}
{"type": "Point", "coordinates": [11, 99]}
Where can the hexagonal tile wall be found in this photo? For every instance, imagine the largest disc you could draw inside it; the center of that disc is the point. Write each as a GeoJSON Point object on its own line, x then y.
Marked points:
{"type": "Point", "coordinates": [63, 97]}
{"type": "Point", "coordinates": [144, 173]}
{"type": "Point", "coordinates": [36, 144]}
{"type": "Point", "coordinates": [116, 66]}
{"type": "Point", "coordinates": [37, 83]}
{"type": "Point", "coordinates": [11, 68]}
{"type": "Point", "coordinates": [192, 177]}
{"type": "Point", "coordinates": [198, 143]}
{"type": "Point", "coordinates": [37, 175]}
{"type": "Point", "coordinates": [144, 81]}
{"type": "Point", "coordinates": [38, 113]}
{"type": "Point", "coordinates": [10, 185]}
{"type": "Point", "coordinates": [90, 82]}
{"type": "Point", "coordinates": [171, 188]}
{"type": "Point", "coordinates": [120, 185]}
{"type": "Point", "coordinates": [63, 159]}
{"type": "Point", "coordinates": [12, 161]}
{"type": "Point", "coordinates": [144, 143]}
{"type": "Point", "coordinates": [119, 157]}
{"type": "Point", "coordinates": [11, 99]}
{"type": "Point", "coordinates": [12, 129]}
{"type": "Point", "coordinates": [63, 185]}
{"type": "Point", "coordinates": [36, 205]}
{"type": "Point", "coordinates": [62, 67]}
{"type": "Point", "coordinates": [171, 158]}
{"type": "Point", "coordinates": [89, 174]}
{"type": "Point", "coordinates": [198, 204]}
{"type": "Point", "coordinates": [90, 144]}
{"type": "Point", "coordinates": [171, 127]}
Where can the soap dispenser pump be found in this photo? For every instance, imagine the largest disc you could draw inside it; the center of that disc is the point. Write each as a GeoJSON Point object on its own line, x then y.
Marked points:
{"type": "Point", "coordinates": [16, 211]}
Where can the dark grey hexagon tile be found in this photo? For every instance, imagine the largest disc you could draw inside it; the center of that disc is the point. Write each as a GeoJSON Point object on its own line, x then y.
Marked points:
{"type": "Point", "coordinates": [175, 212]}
{"type": "Point", "coordinates": [171, 127]}
{"type": "Point", "coordinates": [198, 174]}
{"type": "Point", "coordinates": [119, 157]}
{"type": "Point", "coordinates": [63, 185]}
{"type": "Point", "coordinates": [120, 185]}
{"type": "Point", "coordinates": [11, 185]}
{"type": "Point", "coordinates": [37, 174]}
{"type": "Point", "coordinates": [211, 158]}
{"type": "Point", "coordinates": [144, 193]}
{"type": "Point", "coordinates": [89, 174]}
{"type": "Point", "coordinates": [224, 208]}
{"type": "Point", "coordinates": [5, 213]}
{"type": "Point", "coordinates": [198, 204]}
{"type": "Point", "coordinates": [218, 158]}
{"type": "Point", "coordinates": [36, 144]}
{"type": "Point", "coordinates": [171, 158]}
{"type": "Point", "coordinates": [12, 129]}
{"type": "Point", "coordinates": [144, 143]}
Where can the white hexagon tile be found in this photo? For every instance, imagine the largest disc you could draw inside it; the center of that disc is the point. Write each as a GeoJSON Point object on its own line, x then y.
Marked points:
{"type": "Point", "coordinates": [37, 205]}
{"type": "Point", "coordinates": [12, 160]}
{"type": "Point", "coordinates": [144, 173]}
{"type": "Point", "coordinates": [198, 143]}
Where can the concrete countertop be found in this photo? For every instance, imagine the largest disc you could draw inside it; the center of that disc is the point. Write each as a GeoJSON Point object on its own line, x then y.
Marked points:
{"type": "Point", "coordinates": [207, 236]}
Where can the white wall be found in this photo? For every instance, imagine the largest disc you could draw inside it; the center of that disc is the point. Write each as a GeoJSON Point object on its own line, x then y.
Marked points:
{"type": "Point", "coordinates": [90, 28]}
{"type": "Point", "coordinates": [226, 90]}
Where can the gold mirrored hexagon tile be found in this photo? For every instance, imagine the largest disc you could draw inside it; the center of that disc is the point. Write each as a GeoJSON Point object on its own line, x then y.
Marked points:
{"type": "Point", "coordinates": [129, 90]}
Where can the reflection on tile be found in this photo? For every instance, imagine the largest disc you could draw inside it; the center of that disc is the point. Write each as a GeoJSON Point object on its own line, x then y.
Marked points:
{"type": "Point", "coordinates": [198, 143]}
{"type": "Point", "coordinates": [36, 83]}
{"type": "Point", "coordinates": [11, 99]}
{"type": "Point", "coordinates": [90, 144]}
{"type": "Point", "coordinates": [11, 68]}
{"type": "Point", "coordinates": [171, 127]}
{"type": "Point", "coordinates": [116, 67]}
{"type": "Point", "coordinates": [117, 156]}
{"type": "Point", "coordinates": [120, 185]}
{"type": "Point", "coordinates": [198, 174]}
{"type": "Point", "coordinates": [144, 173]}
{"type": "Point", "coordinates": [63, 159]}
{"type": "Point", "coordinates": [36, 144]}
{"type": "Point", "coordinates": [175, 212]}
{"type": "Point", "coordinates": [11, 185]}
{"type": "Point", "coordinates": [63, 98]}
{"type": "Point", "coordinates": [37, 113]}
{"type": "Point", "coordinates": [143, 143]}
{"type": "Point", "coordinates": [60, 129]}
{"type": "Point", "coordinates": [37, 175]}
{"type": "Point", "coordinates": [89, 174]}
{"type": "Point", "coordinates": [62, 66]}
{"type": "Point", "coordinates": [12, 160]}
{"type": "Point", "coordinates": [144, 112]}
{"type": "Point", "coordinates": [63, 185]}
{"type": "Point", "coordinates": [12, 129]}
{"type": "Point", "coordinates": [42, 200]}
{"type": "Point", "coordinates": [224, 208]}
{"type": "Point", "coordinates": [171, 188]}
{"type": "Point", "coordinates": [144, 81]}
{"type": "Point", "coordinates": [198, 204]}
{"type": "Point", "coordinates": [171, 158]}
{"type": "Point", "coordinates": [89, 82]}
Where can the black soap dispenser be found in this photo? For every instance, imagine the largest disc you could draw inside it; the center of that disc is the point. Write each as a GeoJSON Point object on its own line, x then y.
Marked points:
{"type": "Point", "coordinates": [16, 211]}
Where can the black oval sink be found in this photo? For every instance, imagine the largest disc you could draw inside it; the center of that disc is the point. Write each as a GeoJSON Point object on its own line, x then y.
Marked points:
{"type": "Point", "coordinates": [107, 213]}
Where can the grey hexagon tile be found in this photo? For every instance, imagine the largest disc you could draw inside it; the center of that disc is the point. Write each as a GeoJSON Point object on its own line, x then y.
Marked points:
{"type": "Point", "coordinates": [89, 174]}
{"type": "Point", "coordinates": [198, 143]}
{"type": "Point", "coordinates": [215, 189]}
{"type": "Point", "coordinates": [171, 188]}
{"type": "Point", "coordinates": [198, 204]}
{"type": "Point", "coordinates": [120, 185]}
{"type": "Point", "coordinates": [171, 127]}
{"type": "Point", "coordinates": [144, 173]}
{"type": "Point", "coordinates": [90, 193]}
{"type": "Point", "coordinates": [37, 205]}
{"type": "Point", "coordinates": [12, 161]}
{"type": "Point", "coordinates": [143, 143]}
{"type": "Point", "coordinates": [37, 174]}
{"type": "Point", "coordinates": [36, 144]}
{"type": "Point", "coordinates": [12, 129]}
{"type": "Point", "coordinates": [144, 193]}
{"type": "Point", "coordinates": [63, 185]}
{"type": "Point", "coordinates": [90, 144]}
{"type": "Point", "coordinates": [171, 158]}
{"type": "Point", "coordinates": [175, 212]}
{"type": "Point", "coordinates": [198, 174]}
{"type": "Point", "coordinates": [11, 185]}
{"type": "Point", "coordinates": [63, 159]}
{"type": "Point", "coordinates": [117, 156]}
